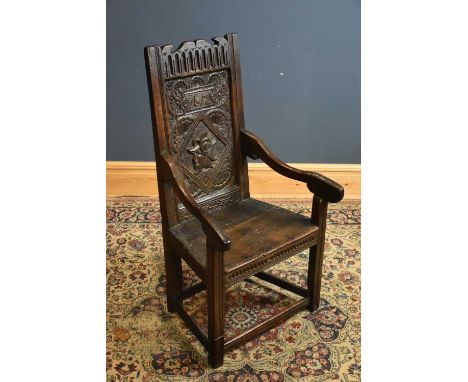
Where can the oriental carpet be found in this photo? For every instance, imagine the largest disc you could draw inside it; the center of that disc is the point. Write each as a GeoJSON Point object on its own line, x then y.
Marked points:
{"type": "Point", "coordinates": [146, 343]}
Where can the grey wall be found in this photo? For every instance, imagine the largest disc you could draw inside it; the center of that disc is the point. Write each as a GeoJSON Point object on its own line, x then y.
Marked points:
{"type": "Point", "coordinates": [311, 113]}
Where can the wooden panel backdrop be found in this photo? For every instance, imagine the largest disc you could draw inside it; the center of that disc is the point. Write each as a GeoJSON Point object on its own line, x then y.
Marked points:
{"type": "Point", "coordinates": [139, 179]}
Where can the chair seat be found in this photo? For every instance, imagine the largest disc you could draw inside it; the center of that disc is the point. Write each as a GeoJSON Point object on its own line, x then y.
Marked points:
{"type": "Point", "coordinates": [261, 235]}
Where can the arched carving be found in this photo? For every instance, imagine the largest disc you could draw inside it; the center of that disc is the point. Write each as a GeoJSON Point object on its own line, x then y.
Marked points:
{"type": "Point", "coordinates": [195, 56]}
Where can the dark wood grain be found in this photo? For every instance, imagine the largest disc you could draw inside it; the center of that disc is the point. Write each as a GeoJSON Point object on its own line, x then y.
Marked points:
{"type": "Point", "coordinates": [174, 179]}
{"type": "Point", "coordinates": [215, 298]}
{"type": "Point", "coordinates": [173, 267]}
{"type": "Point", "coordinates": [244, 223]}
{"type": "Point", "coordinates": [208, 218]}
{"type": "Point", "coordinates": [282, 283]}
{"type": "Point", "coordinates": [326, 188]}
{"type": "Point", "coordinates": [192, 290]}
{"type": "Point", "coordinates": [314, 275]}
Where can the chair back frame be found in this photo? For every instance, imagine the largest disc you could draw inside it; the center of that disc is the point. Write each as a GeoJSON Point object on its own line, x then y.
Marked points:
{"type": "Point", "coordinates": [197, 112]}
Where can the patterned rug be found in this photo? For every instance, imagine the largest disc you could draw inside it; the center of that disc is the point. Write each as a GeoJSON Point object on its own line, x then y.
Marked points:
{"type": "Point", "coordinates": [146, 343]}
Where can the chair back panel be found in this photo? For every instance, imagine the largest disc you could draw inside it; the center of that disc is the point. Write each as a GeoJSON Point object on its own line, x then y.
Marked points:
{"type": "Point", "coordinates": [199, 106]}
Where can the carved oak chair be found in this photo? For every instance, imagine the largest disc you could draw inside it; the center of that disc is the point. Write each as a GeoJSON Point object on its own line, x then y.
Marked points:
{"type": "Point", "coordinates": [208, 217]}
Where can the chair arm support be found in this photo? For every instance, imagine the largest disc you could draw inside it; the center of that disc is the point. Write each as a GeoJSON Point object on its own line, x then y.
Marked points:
{"type": "Point", "coordinates": [318, 184]}
{"type": "Point", "coordinates": [214, 233]}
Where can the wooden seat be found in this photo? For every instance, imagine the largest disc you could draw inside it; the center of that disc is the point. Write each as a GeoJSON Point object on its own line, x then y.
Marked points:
{"type": "Point", "coordinates": [208, 218]}
{"type": "Point", "coordinates": [246, 222]}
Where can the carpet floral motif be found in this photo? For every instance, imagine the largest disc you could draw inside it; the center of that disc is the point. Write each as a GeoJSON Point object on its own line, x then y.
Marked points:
{"type": "Point", "coordinates": [315, 360]}
{"type": "Point", "coordinates": [146, 343]}
{"type": "Point", "coordinates": [328, 321]}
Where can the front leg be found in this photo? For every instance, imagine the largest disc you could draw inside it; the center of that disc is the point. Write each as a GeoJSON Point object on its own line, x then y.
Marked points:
{"type": "Point", "coordinates": [314, 276]}
{"type": "Point", "coordinates": [173, 265]}
{"type": "Point", "coordinates": [215, 296]}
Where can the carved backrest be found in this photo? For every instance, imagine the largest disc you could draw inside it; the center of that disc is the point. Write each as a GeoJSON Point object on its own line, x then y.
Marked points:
{"type": "Point", "coordinates": [196, 99]}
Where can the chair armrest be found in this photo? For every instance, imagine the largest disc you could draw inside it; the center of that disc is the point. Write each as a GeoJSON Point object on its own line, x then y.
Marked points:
{"type": "Point", "coordinates": [173, 176]}
{"type": "Point", "coordinates": [318, 184]}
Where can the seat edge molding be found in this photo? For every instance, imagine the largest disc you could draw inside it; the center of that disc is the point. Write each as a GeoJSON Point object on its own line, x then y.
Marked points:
{"type": "Point", "coordinates": [271, 259]}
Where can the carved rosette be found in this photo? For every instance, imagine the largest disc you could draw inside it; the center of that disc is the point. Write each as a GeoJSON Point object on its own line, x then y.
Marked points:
{"type": "Point", "coordinates": [200, 134]}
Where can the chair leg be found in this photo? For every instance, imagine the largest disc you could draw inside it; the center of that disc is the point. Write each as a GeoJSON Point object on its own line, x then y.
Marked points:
{"type": "Point", "coordinates": [173, 265]}
{"type": "Point", "coordinates": [314, 274]}
{"type": "Point", "coordinates": [314, 277]}
{"type": "Point", "coordinates": [215, 297]}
